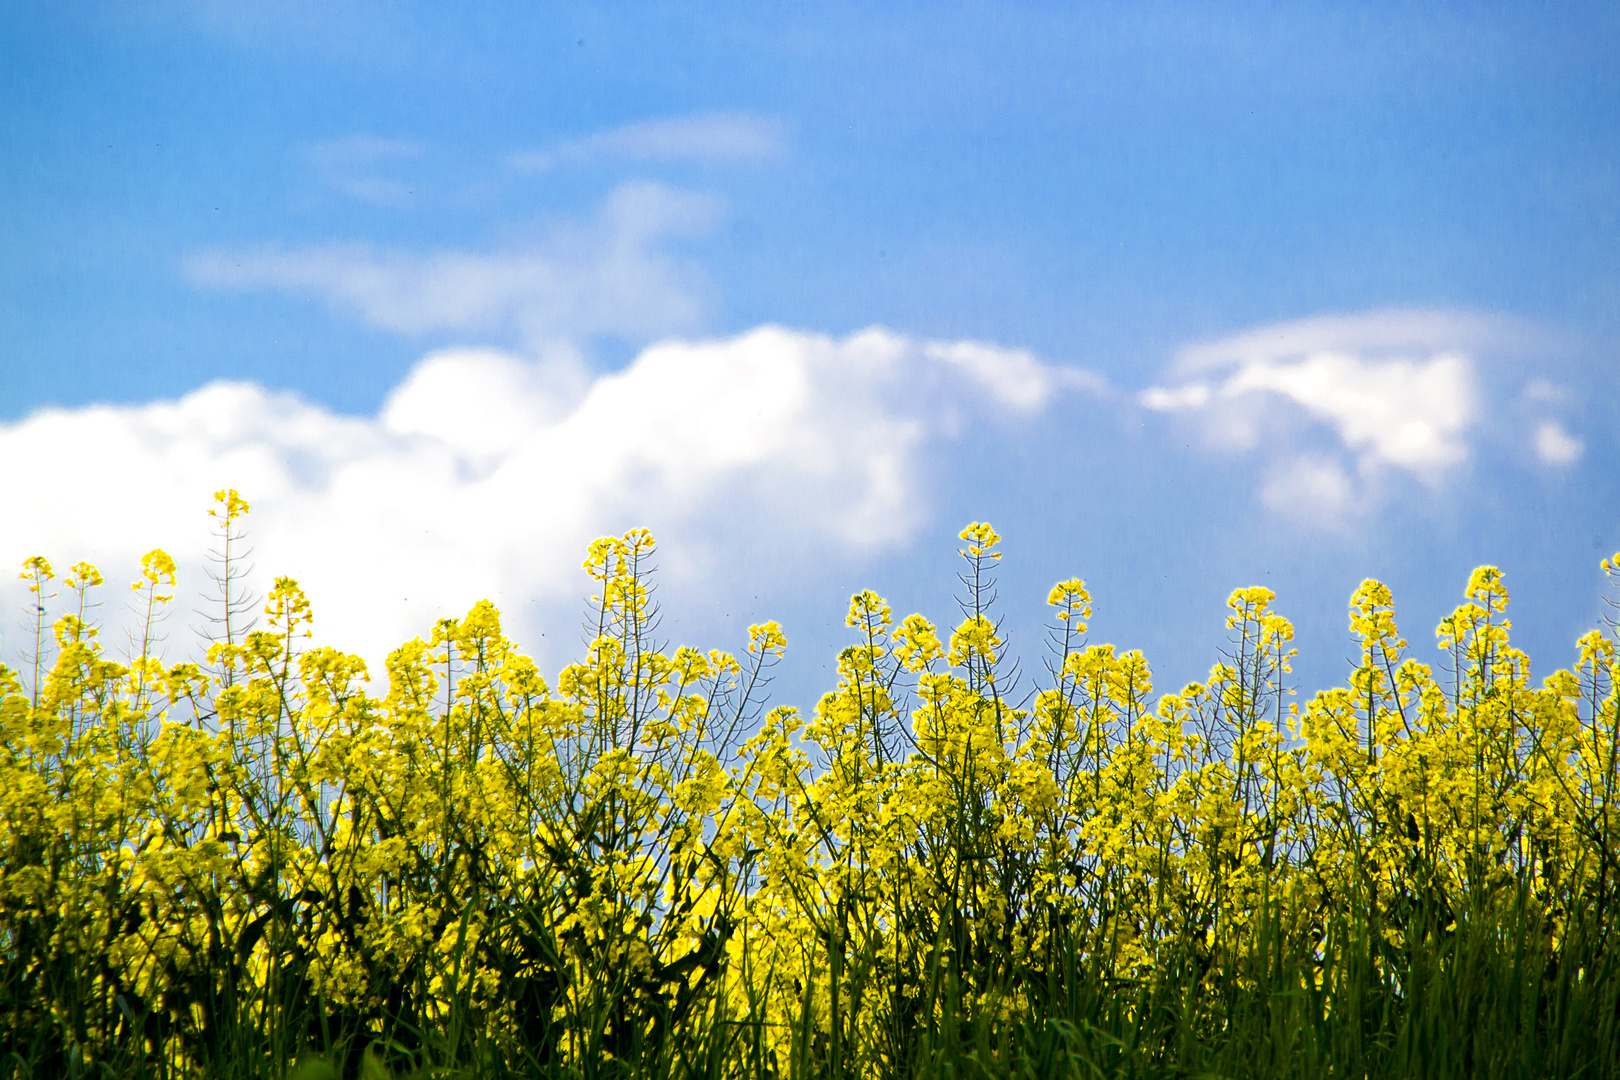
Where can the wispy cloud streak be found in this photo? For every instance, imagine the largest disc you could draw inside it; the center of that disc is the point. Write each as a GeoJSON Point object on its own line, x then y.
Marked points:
{"type": "Point", "coordinates": [611, 276]}
{"type": "Point", "coordinates": [709, 138]}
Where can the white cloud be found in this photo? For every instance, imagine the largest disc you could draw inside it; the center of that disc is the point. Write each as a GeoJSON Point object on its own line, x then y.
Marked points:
{"type": "Point", "coordinates": [1396, 390]}
{"type": "Point", "coordinates": [1546, 392]}
{"type": "Point", "coordinates": [350, 165]}
{"type": "Point", "coordinates": [1014, 377]}
{"type": "Point", "coordinates": [1309, 490]}
{"type": "Point", "coordinates": [705, 137]}
{"type": "Point", "coordinates": [1555, 446]}
{"type": "Point", "coordinates": [1407, 413]}
{"type": "Point", "coordinates": [481, 401]}
{"type": "Point", "coordinates": [608, 277]}
{"type": "Point", "coordinates": [1398, 332]}
{"type": "Point", "coordinates": [485, 475]}
{"type": "Point", "coordinates": [1191, 396]}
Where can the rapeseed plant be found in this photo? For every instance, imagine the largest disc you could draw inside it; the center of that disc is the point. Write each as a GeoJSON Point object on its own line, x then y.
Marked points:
{"type": "Point", "coordinates": [256, 865]}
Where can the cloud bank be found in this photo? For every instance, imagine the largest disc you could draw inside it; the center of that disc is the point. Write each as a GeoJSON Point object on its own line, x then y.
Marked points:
{"type": "Point", "coordinates": [485, 475]}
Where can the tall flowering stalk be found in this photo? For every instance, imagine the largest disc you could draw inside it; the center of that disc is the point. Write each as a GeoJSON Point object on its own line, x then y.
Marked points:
{"type": "Point", "coordinates": [225, 866]}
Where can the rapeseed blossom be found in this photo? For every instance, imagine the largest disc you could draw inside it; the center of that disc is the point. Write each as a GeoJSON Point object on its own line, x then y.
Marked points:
{"type": "Point", "coordinates": [261, 853]}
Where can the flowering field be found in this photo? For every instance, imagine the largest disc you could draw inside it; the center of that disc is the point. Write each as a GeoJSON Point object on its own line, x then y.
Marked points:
{"type": "Point", "coordinates": [254, 865]}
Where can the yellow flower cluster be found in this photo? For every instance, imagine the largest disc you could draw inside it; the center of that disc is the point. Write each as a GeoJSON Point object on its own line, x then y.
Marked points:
{"type": "Point", "coordinates": [566, 873]}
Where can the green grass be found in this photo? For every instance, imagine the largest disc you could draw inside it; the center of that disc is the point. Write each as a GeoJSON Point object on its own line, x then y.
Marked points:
{"type": "Point", "coordinates": [1489, 997]}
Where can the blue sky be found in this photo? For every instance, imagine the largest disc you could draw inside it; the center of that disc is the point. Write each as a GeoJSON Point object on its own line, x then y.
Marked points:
{"type": "Point", "coordinates": [1181, 297]}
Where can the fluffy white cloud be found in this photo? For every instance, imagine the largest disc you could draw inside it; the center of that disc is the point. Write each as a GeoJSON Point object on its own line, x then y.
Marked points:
{"type": "Point", "coordinates": [609, 276]}
{"type": "Point", "coordinates": [1396, 390]}
{"type": "Point", "coordinates": [485, 475]}
{"type": "Point", "coordinates": [1407, 413]}
{"type": "Point", "coordinates": [705, 137]}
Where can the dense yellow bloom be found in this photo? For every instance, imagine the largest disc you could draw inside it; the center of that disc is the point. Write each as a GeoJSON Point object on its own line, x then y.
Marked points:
{"type": "Point", "coordinates": [580, 863]}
